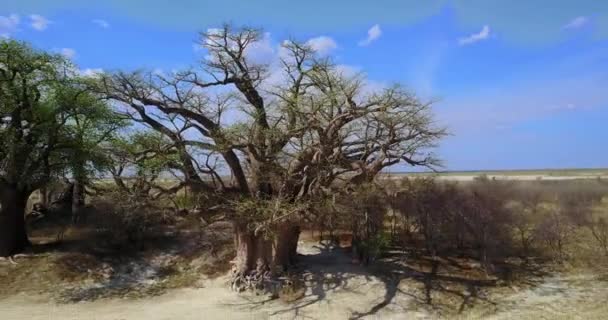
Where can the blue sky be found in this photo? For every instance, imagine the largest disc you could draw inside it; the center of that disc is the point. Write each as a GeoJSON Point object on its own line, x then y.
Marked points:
{"type": "Point", "coordinates": [519, 84]}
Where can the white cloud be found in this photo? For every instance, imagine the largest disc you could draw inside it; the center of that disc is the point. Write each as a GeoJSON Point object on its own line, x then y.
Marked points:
{"type": "Point", "coordinates": [283, 52]}
{"type": "Point", "coordinates": [348, 70]}
{"type": "Point", "coordinates": [101, 23]}
{"type": "Point", "coordinates": [68, 52]}
{"type": "Point", "coordinates": [91, 72]}
{"type": "Point", "coordinates": [372, 34]}
{"type": "Point", "coordinates": [369, 86]}
{"type": "Point", "coordinates": [322, 45]}
{"type": "Point", "coordinates": [482, 35]}
{"type": "Point", "coordinates": [261, 51]}
{"type": "Point", "coordinates": [576, 23]}
{"type": "Point", "coordinates": [266, 50]}
{"type": "Point", "coordinates": [39, 22]}
{"type": "Point", "coordinates": [8, 25]}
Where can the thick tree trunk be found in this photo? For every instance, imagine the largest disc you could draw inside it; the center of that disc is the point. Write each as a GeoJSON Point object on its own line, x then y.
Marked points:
{"type": "Point", "coordinates": [78, 199]}
{"type": "Point", "coordinates": [253, 251]}
{"type": "Point", "coordinates": [13, 236]}
{"type": "Point", "coordinates": [286, 245]}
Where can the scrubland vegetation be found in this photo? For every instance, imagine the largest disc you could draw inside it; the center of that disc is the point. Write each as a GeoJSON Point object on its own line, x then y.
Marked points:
{"type": "Point", "coordinates": [133, 183]}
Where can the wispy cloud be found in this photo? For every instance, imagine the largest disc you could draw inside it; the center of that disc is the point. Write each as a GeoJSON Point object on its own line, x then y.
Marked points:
{"type": "Point", "coordinates": [91, 72]}
{"type": "Point", "coordinates": [480, 36]}
{"type": "Point", "coordinates": [521, 102]}
{"type": "Point", "coordinates": [68, 52]}
{"type": "Point", "coordinates": [261, 51]}
{"type": "Point", "coordinates": [101, 23]}
{"type": "Point", "coordinates": [8, 25]}
{"type": "Point", "coordinates": [322, 45]}
{"type": "Point", "coordinates": [372, 35]}
{"type": "Point", "coordinates": [576, 23]}
{"type": "Point", "coordinates": [39, 22]}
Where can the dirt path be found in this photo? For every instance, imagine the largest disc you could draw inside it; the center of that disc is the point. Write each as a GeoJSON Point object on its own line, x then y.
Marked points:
{"type": "Point", "coordinates": [336, 290]}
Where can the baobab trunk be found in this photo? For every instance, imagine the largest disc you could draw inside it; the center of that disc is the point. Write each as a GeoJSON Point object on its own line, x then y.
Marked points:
{"type": "Point", "coordinates": [251, 249]}
{"type": "Point", "coordinates": [13, 236]}
{"type": "Point", "coordinates": [286, 245]}
{"type": "Point", "coordinates": [255, 250]}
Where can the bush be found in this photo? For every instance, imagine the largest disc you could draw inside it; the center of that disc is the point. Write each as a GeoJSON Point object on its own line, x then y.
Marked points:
{"type": "Point", "coordinates": [364, 210]}
{"type": "Point", "coordinates": [125, 220]}
{"type": "Point", "coordinates": [497, 219]}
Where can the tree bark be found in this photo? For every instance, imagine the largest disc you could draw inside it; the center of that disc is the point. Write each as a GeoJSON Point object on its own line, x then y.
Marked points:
{"type": "Point", "coordinates": [78, 198]}
{"type": "Point", "coordinates": [254, 250]}
{"type": "Point", "coordinates": [286, 245]}
{"type": "Point", "coordinates": [13, 236]}
{"type": "Point", "coordinates": [251, 249]}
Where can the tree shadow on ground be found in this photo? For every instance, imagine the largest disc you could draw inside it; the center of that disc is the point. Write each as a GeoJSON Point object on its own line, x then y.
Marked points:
{"type": "Point", "coordinates": [443, 286]}
{"type": "Point", "coordinates": [83, 268]}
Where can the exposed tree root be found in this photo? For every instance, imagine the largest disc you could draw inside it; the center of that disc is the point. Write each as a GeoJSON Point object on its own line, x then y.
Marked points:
{"type": "Point", "coordinates": [9, 259]}
{"type": "Point", "coordinates": [262, 281]}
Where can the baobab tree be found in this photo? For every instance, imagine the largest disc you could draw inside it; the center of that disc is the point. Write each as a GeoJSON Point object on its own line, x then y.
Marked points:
{"type": "Point", "coordinates": [286, 132]}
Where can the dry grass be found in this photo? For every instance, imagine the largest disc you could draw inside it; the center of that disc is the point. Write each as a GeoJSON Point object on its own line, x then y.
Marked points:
{"type": "Point", "coordinates": [83, 268]}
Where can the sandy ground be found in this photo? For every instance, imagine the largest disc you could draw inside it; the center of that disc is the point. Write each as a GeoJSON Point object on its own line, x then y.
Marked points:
{"type": "Point", "coordinates": [336, 289]}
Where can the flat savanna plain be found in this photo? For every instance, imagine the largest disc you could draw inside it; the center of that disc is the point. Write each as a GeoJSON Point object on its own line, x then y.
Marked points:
{"type": "Point", "coordinates": [177, 277]}
{"type": "Point", "coordinates": [522, 175]}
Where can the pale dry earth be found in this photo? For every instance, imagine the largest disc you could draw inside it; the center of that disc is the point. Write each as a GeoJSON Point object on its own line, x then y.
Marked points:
{"type": "Point", "coordinates": [336, 289]}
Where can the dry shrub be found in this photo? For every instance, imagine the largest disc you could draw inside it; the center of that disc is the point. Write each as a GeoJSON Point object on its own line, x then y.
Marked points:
{"type": "Point", "coordinates": [599, 229]}
{"type": "Point", "coordinates": [487, 218]}
{"type": "Point", "coordinates": [125, 220]}
{"type": "Point", "coordinates": [451, 217]}
{"type": "Point", "coordinates": [430, 209]}
{"type": "Point", "coordinates": [363, 211]}
{"type": "Point", "coordinates": [499, 219]}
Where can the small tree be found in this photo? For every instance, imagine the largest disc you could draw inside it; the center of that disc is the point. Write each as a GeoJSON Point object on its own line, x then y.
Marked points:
{"type": "Point", "coordinates": [487, 217]}
{"type": "Point", "coordinates": [583, 208]}
{"type": "Point", "coordinates": [365, 208]}
{"type": "Point", "coordinates": [599, 229]}
{"type": "Point", "coordinates": [91, 125]}
{"type": "Point", "coordinates": [526, 210]}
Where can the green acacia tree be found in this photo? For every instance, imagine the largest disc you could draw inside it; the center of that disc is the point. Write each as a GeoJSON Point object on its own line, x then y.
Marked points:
{"type": "Point", "coordinates": [91, 126]}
